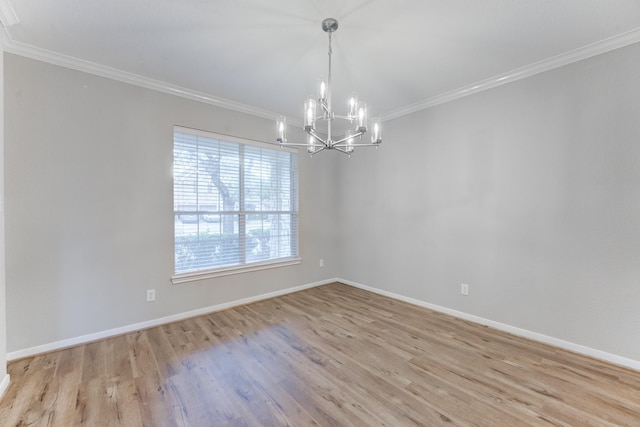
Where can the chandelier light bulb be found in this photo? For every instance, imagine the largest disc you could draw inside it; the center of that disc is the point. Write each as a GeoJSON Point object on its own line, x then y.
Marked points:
{"type": "Point", "coordinates": [376, 134]}
{"type": "Point", "coordinates": [281, 126]}
{"type": "Point", "coordinates": [353, 107]}
{"type": "Point", "coordinates": [310, 148]}
{"type": "Point", "coordinates": [309, 114]}
{"type": "Point", "coordinates": [349, 137]}
{"type": "Point", "coordinates": [322, 90]}
{"type": "Point", "coordinates": [362, 118]}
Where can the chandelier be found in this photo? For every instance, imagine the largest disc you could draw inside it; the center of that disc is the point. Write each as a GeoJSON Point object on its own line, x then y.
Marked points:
{"type": "Point", "coordinates": [323, 139]}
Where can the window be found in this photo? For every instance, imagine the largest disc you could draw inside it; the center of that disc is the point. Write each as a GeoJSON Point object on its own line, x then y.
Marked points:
{"type": "Point", "coordinates": [235, 204]}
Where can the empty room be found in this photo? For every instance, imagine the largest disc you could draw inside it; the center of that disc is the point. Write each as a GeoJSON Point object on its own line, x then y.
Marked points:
{"type": "Point", "coordinates": [320, 213]}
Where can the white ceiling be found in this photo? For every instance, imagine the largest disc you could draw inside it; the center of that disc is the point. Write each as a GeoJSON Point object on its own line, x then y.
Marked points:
{"type": "Point", "coordinates": [397, 55]}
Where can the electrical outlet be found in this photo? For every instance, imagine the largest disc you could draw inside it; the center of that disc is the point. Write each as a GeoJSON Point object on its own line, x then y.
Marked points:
{"type": "Point", "coordinates": [321, 263]}
{"type": "Point", "coordinates": [464, 289]}
{"type": "Point", "coordinates": [151, 295]}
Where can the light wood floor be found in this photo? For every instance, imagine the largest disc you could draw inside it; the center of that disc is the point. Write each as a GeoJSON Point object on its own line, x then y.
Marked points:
{"type": "Point", "coordinates": [331, 356]}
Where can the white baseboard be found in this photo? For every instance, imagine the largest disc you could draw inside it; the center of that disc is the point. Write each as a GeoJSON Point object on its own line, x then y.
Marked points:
{"type": "Point", "coordinates": [4, 385]}
{"type": "Point", "coordinates": [576, 348]}
{"type": "Point", "coordinates": [70, 342]}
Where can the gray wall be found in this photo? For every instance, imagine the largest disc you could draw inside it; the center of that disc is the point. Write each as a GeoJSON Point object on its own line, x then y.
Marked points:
{"type": "Point", "coordinates": [3, 305]}
{"type": "Point", "coordinates": [89, 218]}
{"type": "Point", "coordinates": [529, 193]}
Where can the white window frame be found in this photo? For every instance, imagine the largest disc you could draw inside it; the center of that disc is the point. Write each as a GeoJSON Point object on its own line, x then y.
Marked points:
{"type": "Point", "coordinates": [182, 277]}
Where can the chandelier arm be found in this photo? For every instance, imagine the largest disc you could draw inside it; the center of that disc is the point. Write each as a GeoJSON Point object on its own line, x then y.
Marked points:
{"type": "Point", "coordinates": [294, 144]}
{"type": "Point", "coordinates": [362, 144]}
{"type": "Point", "coordinates": [317, 137]}
{"type": "Point", "coordinates": [342, 150]}
{"type": "Point", "coordinates": [350, 119]}
{"type": "Point", "coordinates": [318, 150]}
{"type": "Point", "coordinates": [341, 142]}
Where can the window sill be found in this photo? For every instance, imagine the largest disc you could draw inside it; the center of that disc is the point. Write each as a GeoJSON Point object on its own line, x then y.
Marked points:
{"type": "Point", "coordinates": [208, 274]}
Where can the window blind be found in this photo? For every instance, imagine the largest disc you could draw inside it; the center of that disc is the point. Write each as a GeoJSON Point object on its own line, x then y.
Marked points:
{"type": "Point", "coordinates": [235, 202]}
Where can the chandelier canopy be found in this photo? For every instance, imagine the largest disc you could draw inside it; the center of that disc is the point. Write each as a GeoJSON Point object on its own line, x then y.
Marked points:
{"type": "Point", "coordinates": [318, 140]}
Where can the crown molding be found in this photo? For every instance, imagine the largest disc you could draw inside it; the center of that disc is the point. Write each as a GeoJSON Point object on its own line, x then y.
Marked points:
{"type": "Point", "coordinates": [66, 61]}
{"type": "Point", "coordinates": [8, 15]}
{"type": "Point", "coordinates": [603, 46]}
